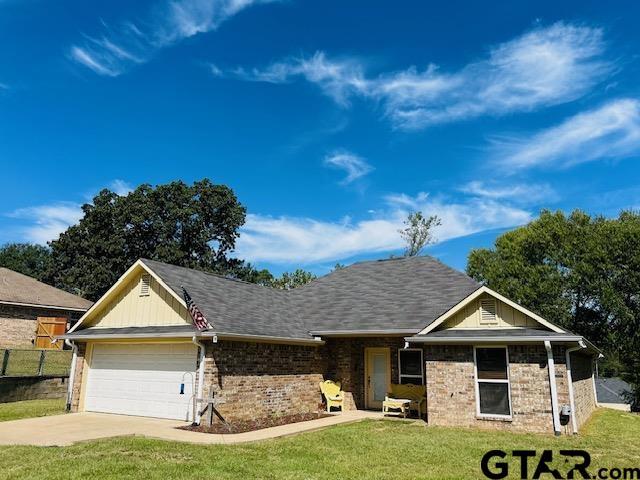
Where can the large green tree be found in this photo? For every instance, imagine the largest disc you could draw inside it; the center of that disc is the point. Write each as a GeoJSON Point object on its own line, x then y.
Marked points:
{"type": "Point", "coordinates": [194, 226]}
{"type": "Point", "coordinates": [579, 271]}
{"type": "Point", "coordinates": [26, 258]}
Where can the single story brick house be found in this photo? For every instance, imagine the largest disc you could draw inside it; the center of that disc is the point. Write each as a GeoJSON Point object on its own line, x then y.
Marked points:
{"type": "Point", "coordinates": [32, 312]}
{"type": "Point", "coordinates": [485, 361]}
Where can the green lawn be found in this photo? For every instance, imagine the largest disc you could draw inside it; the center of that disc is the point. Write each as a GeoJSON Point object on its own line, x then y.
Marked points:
{"type": "Point", "coordinates": [371, 449]}
{"type": "Point", "coordinates": [25, 361]}
{"type": "Point", "coordinates": [31, 408]}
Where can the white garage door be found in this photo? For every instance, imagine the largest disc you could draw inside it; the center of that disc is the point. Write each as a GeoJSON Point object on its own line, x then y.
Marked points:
{"type": "Point", "coordinates": [142, 379]}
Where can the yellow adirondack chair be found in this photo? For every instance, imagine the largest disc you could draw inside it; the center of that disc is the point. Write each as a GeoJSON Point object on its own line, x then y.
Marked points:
{"type": "Point", "coordinates": [333, 394]}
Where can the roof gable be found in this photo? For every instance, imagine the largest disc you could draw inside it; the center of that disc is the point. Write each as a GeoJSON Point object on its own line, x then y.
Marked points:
{"type": "Point", "coordinates": [111, 306]}
{"type": "Point", "coordinates": [530, 316]}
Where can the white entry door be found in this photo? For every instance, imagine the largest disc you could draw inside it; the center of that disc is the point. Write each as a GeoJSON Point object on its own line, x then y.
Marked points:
{"type": "Point", "coordinates": [150, 380]}
{"type": "Point", "coordinates": [378, 376]}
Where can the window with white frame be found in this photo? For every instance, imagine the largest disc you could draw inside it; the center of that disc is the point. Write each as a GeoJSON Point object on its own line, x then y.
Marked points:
{"type": "Point", "coordinates": [410, 366]}
{"type": "Point", "coordinates": [493, 392]}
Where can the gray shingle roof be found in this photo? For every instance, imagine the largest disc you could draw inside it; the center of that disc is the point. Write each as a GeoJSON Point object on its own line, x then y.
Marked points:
{"type": "Point", "coordinates": [402, 293]}
{"type": "Point", "coordinates": [399, 293]}
{"type": "Point", "coordinates": [234, 306]}
{"type": "Point", "coordinates": [612, 390]}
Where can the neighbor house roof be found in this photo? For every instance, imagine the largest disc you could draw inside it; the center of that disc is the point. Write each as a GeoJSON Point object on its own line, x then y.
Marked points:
{"type": "Point", "coordinates": [16, 288]}
{"type": "Point", "coordinates": [612, 390]}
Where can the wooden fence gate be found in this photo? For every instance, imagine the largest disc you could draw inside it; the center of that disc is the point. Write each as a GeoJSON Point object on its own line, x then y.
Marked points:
{"type": "Point", "coordinates": [48, 329]}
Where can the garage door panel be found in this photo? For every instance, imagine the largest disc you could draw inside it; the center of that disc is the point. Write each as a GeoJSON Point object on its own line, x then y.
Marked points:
{"type": "Point", "coordinates": [142, 379]}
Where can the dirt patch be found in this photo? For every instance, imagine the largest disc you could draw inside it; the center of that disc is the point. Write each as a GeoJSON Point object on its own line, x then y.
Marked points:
{"type": "Point", "coordinates": [256, 424]}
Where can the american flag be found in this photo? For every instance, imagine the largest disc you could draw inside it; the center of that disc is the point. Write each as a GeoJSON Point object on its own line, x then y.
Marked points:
{"type": "Point", "coordinates": [197, 316]}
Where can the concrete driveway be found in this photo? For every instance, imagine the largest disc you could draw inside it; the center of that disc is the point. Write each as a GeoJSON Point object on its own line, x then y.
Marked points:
{"type": "Point", "coordinates": [77, 427]}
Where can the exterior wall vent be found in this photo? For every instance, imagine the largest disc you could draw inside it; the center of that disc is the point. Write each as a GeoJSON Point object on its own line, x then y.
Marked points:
{"type": "Point", "coordinates": [488, 310]}
{"type": "Point", "coordinates": [145, 285]}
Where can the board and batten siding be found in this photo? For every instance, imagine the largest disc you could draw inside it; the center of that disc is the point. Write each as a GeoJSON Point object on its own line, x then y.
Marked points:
{"type": "Point", "coordinates": [129, 308]}
{"type": "Point", "coordinates": [506, 317]}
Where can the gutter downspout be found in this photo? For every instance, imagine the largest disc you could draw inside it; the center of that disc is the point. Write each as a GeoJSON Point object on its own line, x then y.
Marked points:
{"type": "Point", "coordinates": [572, 402]}
{"type": "Point", "coordinates": [72, 372]}
{"type": "Point", "coordinates": [593, 380]}
{"type": "Point", "coordinates": [554, 389]}
{"type": "Point", "coordinates": [198, 393]}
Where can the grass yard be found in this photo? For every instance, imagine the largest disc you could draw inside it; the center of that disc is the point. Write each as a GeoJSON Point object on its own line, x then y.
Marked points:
{"type": "Point", "coordinates": [31, 408]}
{"type": "Point", "coordinates": [371, 449]}
{"type": "Point", "coordinates": [25, 361]}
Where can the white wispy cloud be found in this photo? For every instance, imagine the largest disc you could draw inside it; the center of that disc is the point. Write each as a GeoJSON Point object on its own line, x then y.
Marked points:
{"type": "Point", "coordinates": [43, 223]}
{"type": "Point", "coordinates": [295, 240]}
{"type": "Point", "coordinates": [543, 67]}
{"type": "Point", "coordinates": [338, 79]}
{"type": "Point", "coordinates": [353, 165]}
{"type": "Point", "coordinates": [521, 193]}
{"type": "Point", "coordinates": [121, 187]}
{"type": "Point", "coordinates": [116, 49]}
{"type": "Point", "coordinates": [47, 222]}
{"type": "Point", "coordinates": [611, 131]}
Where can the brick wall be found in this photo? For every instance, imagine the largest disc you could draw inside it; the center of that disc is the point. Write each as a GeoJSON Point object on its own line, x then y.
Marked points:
{"type": "Point", "coordinates": [79, 373]}
{"type": "Point", "coordinates": [18, 323]}
{"type": "Point", "coordinates": [583, 396]}
{"type": "Point", "coordinates": [17, 332]}
{"type": "Point", "coordinates": [451, 388]}
{"type": "Point", "coordinates": [346, 363]}
{"type": "Point", "coordinates": [16, 389]}
{"type": "Point", "coordinates": [255, 380]}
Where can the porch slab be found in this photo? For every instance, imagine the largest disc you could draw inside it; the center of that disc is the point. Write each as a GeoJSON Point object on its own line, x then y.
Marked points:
{"type": "Point", "coordinates": [63, 430]}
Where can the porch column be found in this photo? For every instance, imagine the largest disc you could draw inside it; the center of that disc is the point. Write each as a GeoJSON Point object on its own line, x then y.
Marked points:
{"type": "Point", "coordinates": [345, 370]}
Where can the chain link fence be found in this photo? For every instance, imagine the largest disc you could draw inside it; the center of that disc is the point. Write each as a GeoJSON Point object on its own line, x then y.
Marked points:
{"type": "Point", "coordinates": [30, 362]}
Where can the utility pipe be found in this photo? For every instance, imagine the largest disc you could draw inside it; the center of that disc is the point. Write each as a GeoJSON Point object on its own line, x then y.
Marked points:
{"type": "Point", "coordinates": [572, 402]}
{"type": "Point", "coordinates": [198, 393]}
{"type": "Point", "coordinates": [72, 371]}
{"type": "Point", "coordinates": [554, 390]}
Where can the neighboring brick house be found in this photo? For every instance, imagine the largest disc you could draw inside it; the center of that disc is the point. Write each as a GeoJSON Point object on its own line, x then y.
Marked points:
{"type": "Point", "coordinates": [29, 308]}
{"type": "Point", "coordinates": [486, 362]}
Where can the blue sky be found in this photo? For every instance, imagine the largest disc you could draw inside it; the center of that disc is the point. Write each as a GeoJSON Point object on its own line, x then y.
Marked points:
{"type": "Point", "coordinates": [330, 120]}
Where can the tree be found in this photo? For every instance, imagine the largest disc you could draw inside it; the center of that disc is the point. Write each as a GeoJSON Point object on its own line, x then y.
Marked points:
{"type": "Point", "coordinates": [193, 226]}
{"type": "Point", "coordinates": [580, 272]}
{"type": "Point", "coordinates": [28, 259]}
{"type": "Point", "coordinates": [292, 280]}
{"type": "Point", "coordinates": [249, 273]}
{"type": "Point", "coordinates": [418, 232]}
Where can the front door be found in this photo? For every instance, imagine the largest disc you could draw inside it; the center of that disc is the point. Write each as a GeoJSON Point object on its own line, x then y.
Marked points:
{"type": "Point", "coordinates": [377, 376]}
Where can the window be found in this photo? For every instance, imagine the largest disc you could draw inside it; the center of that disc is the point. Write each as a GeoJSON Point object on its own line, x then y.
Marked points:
{"type": "Point", "coordinates": [410, 366]}
{"type": "Point", "coordinates": [493, 392]}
